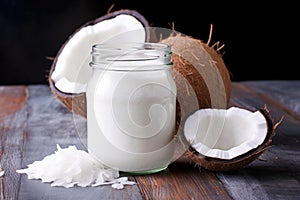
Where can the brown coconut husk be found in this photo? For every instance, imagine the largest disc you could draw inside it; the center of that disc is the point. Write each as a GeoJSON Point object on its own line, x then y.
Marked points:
{"type": "Point", "coordinates": [77, 102]}
{"type": "Point", "coordinates": [221, 165]}
{"type": "Point", "coordinates": [196, 63]}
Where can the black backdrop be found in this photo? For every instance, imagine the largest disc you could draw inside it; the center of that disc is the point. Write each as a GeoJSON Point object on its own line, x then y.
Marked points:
{"type": "Point", "coordinates": [258, 38]}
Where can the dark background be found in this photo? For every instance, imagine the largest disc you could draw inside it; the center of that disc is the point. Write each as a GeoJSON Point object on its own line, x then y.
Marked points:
{"type": "Point", "coordinates": [261, 41]}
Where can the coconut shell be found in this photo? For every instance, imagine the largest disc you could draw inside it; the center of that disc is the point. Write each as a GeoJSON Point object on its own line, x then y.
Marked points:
{"type": "Point", "coordinates": [221, 165]}
{"type": "Point", "coordinates": [77, 102]}
{"type": "Point", "coordinates": [201, 76]}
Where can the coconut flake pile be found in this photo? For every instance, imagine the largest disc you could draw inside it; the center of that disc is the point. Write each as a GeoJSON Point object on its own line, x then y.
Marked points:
{"type": "Point", "coordinates": [68, 167]}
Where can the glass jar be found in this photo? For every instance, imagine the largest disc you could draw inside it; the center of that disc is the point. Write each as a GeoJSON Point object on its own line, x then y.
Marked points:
{"type": "Point", "coordinates": [131, 106]}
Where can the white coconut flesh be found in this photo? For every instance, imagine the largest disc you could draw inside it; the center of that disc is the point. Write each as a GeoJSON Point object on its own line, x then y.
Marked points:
{"type": "Point", "coordinates": [72, 70]}
{"type": "Point", "coordinates": [225, 133]}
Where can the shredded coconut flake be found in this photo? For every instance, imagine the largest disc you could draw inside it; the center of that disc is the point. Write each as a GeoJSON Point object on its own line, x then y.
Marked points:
{"type": "Point", "coordinates": [68, 167]}
{"type": "Point", "coordinates": [1, 173]}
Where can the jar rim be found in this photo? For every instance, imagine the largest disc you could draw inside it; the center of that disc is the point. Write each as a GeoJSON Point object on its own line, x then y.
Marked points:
{"type": "Point", "coordinates": [113, 46]}
{"type": "Point", "coordinates": [131, 56]}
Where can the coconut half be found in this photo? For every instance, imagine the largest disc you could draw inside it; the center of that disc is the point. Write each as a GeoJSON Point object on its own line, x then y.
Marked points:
{"type": "Point", "coordinates": [228, 139]}
{"type": "Point", "coordinates": [70, 69]}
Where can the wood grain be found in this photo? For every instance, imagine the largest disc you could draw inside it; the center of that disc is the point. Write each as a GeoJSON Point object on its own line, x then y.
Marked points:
{"type": "Point", "coordinates": [13, 116]}
{"type": "Point", "coordinates": [182, 180]}
{"type": "Point", "coordinates": [285, 93]}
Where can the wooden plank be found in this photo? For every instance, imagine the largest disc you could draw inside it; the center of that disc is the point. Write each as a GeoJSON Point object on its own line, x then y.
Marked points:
{"type": "Point", "coordinates": [182, 180]}
{"type": "Point", "coordinates": [13, 116]}
{"type": "Point", "coordinates": [277, 174]}
{"type": "Point", "coordinates": [50, 123]}
{"type": "Point", "coordinates": [286, 93]}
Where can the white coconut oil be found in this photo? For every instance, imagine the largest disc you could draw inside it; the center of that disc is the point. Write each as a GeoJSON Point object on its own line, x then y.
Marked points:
{"type": "Point", "coordinates": [131, 107]}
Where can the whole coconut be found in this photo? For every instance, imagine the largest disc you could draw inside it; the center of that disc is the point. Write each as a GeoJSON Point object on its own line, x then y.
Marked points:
{"type": "Point", "coordinates": [201, 76]}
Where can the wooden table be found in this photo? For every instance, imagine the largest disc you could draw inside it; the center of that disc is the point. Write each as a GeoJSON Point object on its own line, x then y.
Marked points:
{"type": "Point", "coordinates": [33, 121]}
